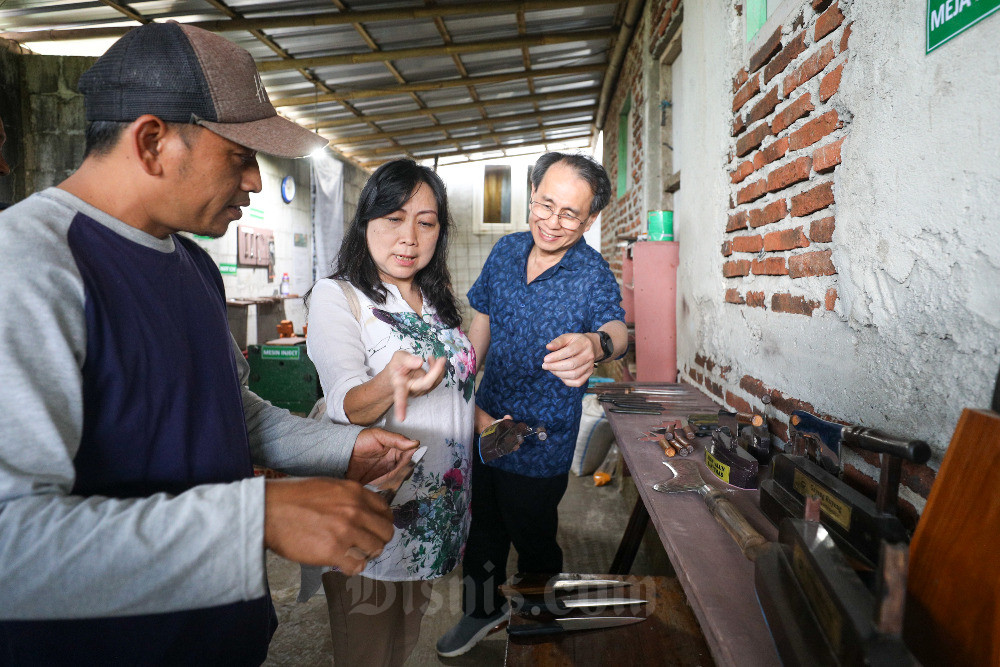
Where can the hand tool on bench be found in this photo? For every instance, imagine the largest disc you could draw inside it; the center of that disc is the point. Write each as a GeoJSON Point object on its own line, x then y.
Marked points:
{"type": "Point", "coordinates": [730, 462]}
{"type": "Point", "coordinates": [687, 478]}
{"type": "Point", "coordinates": [562, 624]}
{"type": "Point", "coordinates": [857, 524]}
{"type": "Point", "coordinates": [564, 582]}
{"type": "Point", "coordinates": [818, 610]}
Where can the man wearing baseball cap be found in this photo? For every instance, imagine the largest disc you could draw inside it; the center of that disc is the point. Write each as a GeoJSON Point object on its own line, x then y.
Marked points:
{"type": "Point", "coordinates": [131, 528]}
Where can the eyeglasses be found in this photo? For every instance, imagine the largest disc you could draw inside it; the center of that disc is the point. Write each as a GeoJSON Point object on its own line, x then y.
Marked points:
{"type": "Point", "coordinates": [544, 212]}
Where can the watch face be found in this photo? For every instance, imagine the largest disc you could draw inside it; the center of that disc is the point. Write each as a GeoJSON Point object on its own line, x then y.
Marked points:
{"type": "Point", "coordinates": [287, 189]}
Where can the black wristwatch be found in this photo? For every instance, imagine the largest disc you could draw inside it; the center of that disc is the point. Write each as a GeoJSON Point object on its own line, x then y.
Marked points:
{"type": "Point", "coordinates": [607, 346]}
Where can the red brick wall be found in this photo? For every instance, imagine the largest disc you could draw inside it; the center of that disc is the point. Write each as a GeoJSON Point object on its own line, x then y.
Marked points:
{"type": "Point", "coordinates": [624, 215]}
{"type": "Point", "coordinates": [786, 140]}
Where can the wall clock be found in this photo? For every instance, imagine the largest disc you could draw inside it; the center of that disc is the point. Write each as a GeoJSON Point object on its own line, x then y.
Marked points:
{"type": "Point", "coordinates": [287, 189]}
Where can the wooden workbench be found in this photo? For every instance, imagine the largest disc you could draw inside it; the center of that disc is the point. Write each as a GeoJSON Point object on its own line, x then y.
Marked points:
{"type": "Point", "coordinates": [717, 579]}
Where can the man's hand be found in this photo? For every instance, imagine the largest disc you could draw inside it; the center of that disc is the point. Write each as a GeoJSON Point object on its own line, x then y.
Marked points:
{"type": "Point", "coordinates": [321, 521]}
{"type": "Point", "coordinates": [408, 378]}
{"type": "Point", "coordinates": [571, 358]}
{"type": "Point", "coordinates": [376, 452]}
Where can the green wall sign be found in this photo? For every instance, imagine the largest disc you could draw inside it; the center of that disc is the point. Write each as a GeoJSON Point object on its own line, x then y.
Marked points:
{"type": "Point", "coordinates": [280, 352]}
{"type": "Point", "coordinates": [227, 269]}
{"type": "Point", "coordinates": [947, 18]}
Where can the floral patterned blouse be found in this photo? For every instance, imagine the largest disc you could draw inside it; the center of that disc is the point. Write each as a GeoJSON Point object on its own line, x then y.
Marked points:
{"type": "Point", "coordinates": [431, 510]}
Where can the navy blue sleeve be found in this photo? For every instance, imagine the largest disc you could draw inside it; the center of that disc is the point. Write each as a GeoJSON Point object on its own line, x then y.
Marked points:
{"type": "Point", "coordinates": [479, 294]}
{"type": "Point", "coordinates": [606, 298]}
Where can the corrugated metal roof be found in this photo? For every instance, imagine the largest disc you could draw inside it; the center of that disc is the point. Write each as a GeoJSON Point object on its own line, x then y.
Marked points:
{"type": "Point", "coordinates": [382, 79]}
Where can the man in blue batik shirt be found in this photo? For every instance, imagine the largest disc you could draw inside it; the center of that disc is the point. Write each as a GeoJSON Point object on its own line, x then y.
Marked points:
{"type": "Point", "coordinates": [548, 308]}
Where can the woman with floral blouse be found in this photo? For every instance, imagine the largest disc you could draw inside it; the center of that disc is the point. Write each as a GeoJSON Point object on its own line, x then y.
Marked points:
{"type": "Point", "coordinates": [385, 337]}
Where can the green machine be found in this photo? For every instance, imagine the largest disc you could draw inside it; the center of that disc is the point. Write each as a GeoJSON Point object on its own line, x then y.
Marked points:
{"type": "Point", "coordinates": [282, 373]}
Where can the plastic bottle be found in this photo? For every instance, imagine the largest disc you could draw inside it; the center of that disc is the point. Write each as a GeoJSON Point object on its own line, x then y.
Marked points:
{"type": "Point", "coordinates": [285, 285]}
{"type": "Point", "coordinates": [607, 468]}
{"type": "Point", "coordinates": [505, 436]}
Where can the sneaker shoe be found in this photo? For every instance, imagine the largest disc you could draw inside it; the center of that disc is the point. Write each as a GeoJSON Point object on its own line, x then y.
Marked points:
{"type": "Point", "coordinates": [468, 632]}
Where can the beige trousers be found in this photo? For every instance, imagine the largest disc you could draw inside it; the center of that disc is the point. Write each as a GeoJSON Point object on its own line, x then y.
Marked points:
{"type": "Point", "coordinates": [374, 623]}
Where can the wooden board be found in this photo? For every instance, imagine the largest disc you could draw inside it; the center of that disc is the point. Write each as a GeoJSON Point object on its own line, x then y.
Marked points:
{"type": "Point", "coordinates": [953, 606]}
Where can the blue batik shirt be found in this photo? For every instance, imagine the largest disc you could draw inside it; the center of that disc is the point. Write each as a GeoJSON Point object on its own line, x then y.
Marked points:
{"type": "Point", "coordinates": [577, 295]}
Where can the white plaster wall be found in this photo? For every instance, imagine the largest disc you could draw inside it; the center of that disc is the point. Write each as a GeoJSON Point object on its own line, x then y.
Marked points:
{"type": "Point", "coordinates": [285, 220]}
{"type": "Point", "coordinates": [916, 333]}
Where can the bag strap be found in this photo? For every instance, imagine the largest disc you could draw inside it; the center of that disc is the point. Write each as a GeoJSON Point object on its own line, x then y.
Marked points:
{"type": "Point", "coordinates": [351, 296]}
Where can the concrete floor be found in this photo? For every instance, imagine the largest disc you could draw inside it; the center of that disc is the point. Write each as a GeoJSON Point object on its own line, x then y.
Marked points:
{"type": "Point", "coordinates": [592, 520]}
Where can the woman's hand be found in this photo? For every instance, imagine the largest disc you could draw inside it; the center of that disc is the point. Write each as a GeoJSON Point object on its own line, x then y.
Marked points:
{"type": "Point", "coordinates": [408, 378]}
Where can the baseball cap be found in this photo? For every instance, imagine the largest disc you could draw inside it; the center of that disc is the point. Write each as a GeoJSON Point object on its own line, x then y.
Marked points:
{"type": "Point", "coordinates": [184, 74]}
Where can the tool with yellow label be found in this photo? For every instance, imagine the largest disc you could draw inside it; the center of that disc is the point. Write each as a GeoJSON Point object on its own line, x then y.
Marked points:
{"type": "Point", "coordinates": [855, 522]}
{"type": "Point", "coordinates": [734, 454]}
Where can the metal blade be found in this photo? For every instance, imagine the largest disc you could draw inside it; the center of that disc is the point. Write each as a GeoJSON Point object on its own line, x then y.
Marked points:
{"type": "Point", "coordinates": [594, 622]}
{"type": "Point", "coordinates": [574, 584]}
{"type": "Point", "coordinates": [598, 602]}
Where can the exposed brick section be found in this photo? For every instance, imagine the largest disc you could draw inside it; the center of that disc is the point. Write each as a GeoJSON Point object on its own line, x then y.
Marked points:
{"type": "Point", "coordinates": [789, 174]}
{"type": "Point", "coordinates": [817, 263]}
{"type": "Point", "coordinates": [764, 107]}
{"type": "Point", "coordinates": [736, 268]}
{"type": "Point", "coordinates": [738, 403]}
{"type": "Point", "coordinates": [695, 375]}
{"type": "Point", "coordinates": [813, 65]}
{"type": "Point", "coordinates": [845, 37]}
{"type": "Point", "coordinates": [748, 243]}
{"type": "Point", "coordinates": [814, 130]}
{"type": "Point", "coordinates": [826, 158]}
{"type": "Point", "coordinates": [791, 51]}
{"type": "Point", "coordinates": [740, 78]}
{"type": "Point", "coordinates": [754, 387]}
{"type": "Point", "coordinates": [786, 239]}
{"type": "Point", "coordinates": [812, 200]}
{"type": "Point", "coordinates": [742, 171]}
{"type": "Point", "coordinates": [737, 221]}
{"type": "Point", "coordinates": [770, 266]}
{"type": "Point", "coordinates": [727, 248]}
{"type": "Point", "coordinates": [830, 83]}
{"type": "Point", "coordinates": [752, 139]}
{"type": "Point", "coordinates": [770, 48]}
{"type": "Point", "coordinates": [749, 89]}
{"type": "Point", "coordinates": [773, 151]}
{"type": "Point", "coordinates": [796, 305]}
{"type": "Point", "coordinates": [820, 5]}
{"type": "Point", "coordinates": [733, 296]}
{"type": "Point", "coordinates": [771, 213]}
{"type": "Point", "coordinates": [821, 231]}
{"type": "Point", "coordinates": [756, 299]}
{"type": "Point", "coordinates": [831, 298]}
{"type": "Point", "coordinates": [828, 21]}
{"type": "Point", "coordinates": [778, 428]}
{"type": "Point", "coordinates": [797, 109]}
{"type": "Point", "coordinates": [755, 190]}
{"type": "Point", "coordinates": [738, 126]}
{"type": "Point", "coordinates": [700, 359]}
{"type": "Point", "coordinates": [713, 387]}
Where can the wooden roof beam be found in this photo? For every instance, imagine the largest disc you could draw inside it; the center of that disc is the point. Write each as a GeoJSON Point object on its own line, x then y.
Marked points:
{"type": "Point", "coordinates": [429, 129]}
{"type": "Point", "coordinates": [306, 20]}
{"type": "Point", "coordinates": [434, 51]}
{"type": "Point", "coordinates": [370, 164]}
{"type": "Point", "coordinates": [464, 106]}
{"type": "Point", "coordinates": [403, 89]}
{"type": "Point", "coordinates": [490, 135]}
